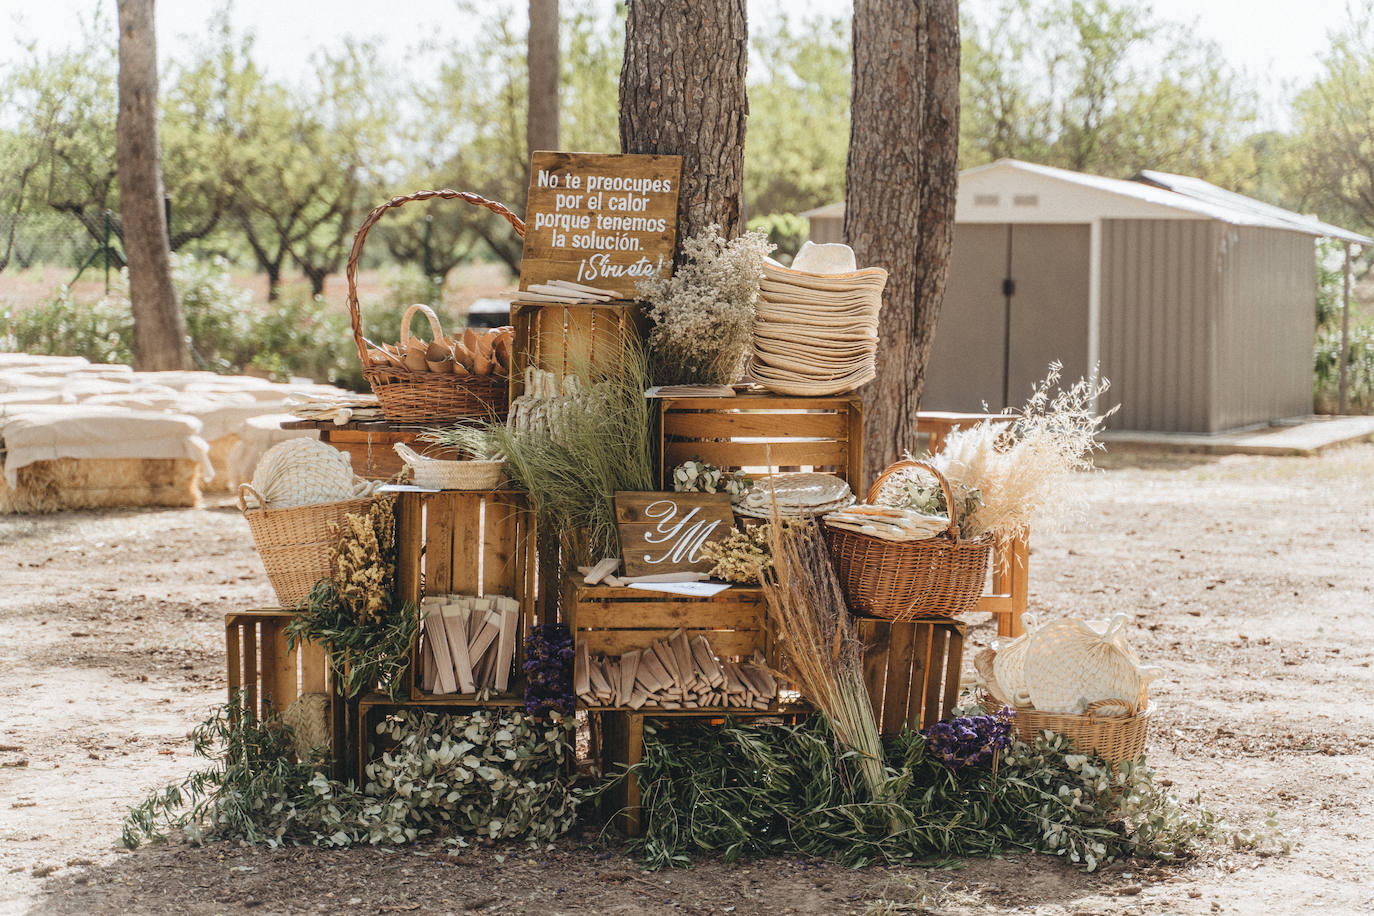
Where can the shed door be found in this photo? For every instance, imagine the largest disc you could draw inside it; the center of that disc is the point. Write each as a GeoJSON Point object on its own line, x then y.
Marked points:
{"type": "Point", "coordinates": [1016, 300]}
{"type": "Point", "coordinates": [1048, 317]}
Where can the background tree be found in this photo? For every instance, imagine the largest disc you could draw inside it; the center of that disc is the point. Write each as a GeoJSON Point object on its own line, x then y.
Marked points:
{"type": "Point", "coordinates": [159, 331]}
{"type": "Point", "coordinates": [541, 123]}
{"type": "Point", "coordinates": [1101, 87]}
{"type": "Point", "coordinates": [1332, 169]}
{"type": "Point", "coordinates": [899, 200]}
{"type": "Point", "coordinates": [682, 91]}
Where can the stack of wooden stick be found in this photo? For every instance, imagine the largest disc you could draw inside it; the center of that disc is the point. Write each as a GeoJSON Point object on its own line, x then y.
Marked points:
{"type": "Point", "coordinates": [469, 643]}
{"type": "Point", "coordinates": [673, 673]}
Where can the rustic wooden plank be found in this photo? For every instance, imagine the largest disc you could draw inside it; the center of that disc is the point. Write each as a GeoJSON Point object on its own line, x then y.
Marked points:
{"type": "Point", "coordinates": [854, 447]}
{"type": "Point", "coordinates": [499, 533]}
{"type": "Point", "coordinates": [250, 668]}
{"type": "Point", "coordinates": [899, 679]}
{"type": "Point", "coordinates": [669, 614]}
{"type": "Point", "coordinates": [939, 641]}
{"type": "Point", "coordinates": [725, 643]}
{"type": "Point", "coordinates": [232, 650]}
{"type": "Point", "coordinates": [763, 401]}
{"type": "Point", "coordinates": [748, 594]}
{"type": "Point", "coordinates": [875, 636]}
{"type": "Point", "coordinates": [410, 534]}
{"type": "Point", "coordinates": [567, 213]}
{"type": "Point", "coordinates": [662, 532]}
{"type": "Point", "coordinates": [731, 455]}
{"type": "Point", "coordinates": [287, 675]}
{"type": "Point", "coordinates": [523, 319]}
{"type": "Point", "coordinates": [954, 667]}
{"type": "Point", "coordinates": [267, 668]}
{"type": "Point", "coordinates": [578, 345]}
{"type": "Point", "coordinates": [708, 425]}
{"type": "Point", "coordinates": [922, 665]}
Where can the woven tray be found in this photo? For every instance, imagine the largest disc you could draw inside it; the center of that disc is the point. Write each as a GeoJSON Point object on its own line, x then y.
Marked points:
{"type": "Point", "coordinates": [439, 474]}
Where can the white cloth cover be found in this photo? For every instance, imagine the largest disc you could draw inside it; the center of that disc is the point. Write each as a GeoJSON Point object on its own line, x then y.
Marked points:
{"type": "Point", "coordinates": [49, 432]}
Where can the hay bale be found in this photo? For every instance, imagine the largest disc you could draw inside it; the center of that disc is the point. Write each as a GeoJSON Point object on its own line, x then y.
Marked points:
{"type": "Point", "coordinates": [98, 483]}
{"type": "Point", "coordinates": [221, 450]}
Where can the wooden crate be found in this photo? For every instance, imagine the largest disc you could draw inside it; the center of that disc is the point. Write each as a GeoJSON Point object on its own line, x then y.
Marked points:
{"type": "Point", "coordinates": [568, 338]}
{"type": "Point", "coordinates": [764, 432]}
{"type": "Point", "coordinates": [611, 621]}
{"type": "Point", "coordinates": [466, 543]}
{"type": "Point", "coordinates": [912, 670]}
{"type": "Point", "coordinates": [260, 663]}
{"type": "Point", "coordinates": [370, 445]}
{"type": "Point", "coordinates": [369, 710]}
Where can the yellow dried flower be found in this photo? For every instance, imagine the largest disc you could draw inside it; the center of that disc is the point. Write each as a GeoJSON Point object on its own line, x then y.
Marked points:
{"type": "Point", "coordinates": [360, 563]}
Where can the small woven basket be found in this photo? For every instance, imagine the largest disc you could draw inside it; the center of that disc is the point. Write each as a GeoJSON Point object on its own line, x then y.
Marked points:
{"type": "Point", "coordinates": [407, 396]}
{"type": "Point", "coordinates": [295, 543]}
{"type": "Point", "coordinates": [905, 580]}
{"type": "Point", "coordinates": [439, 474]}
{"type": "Point", "coordinates": [1113, 738]}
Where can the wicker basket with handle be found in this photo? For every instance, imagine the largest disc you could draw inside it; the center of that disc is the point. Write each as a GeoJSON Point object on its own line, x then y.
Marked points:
{"type": "Point", "coordinates": [408, 396]}
{"type": "Point", "coordinates": [905, 580]}
{"type": "Point", "coordinates": [295, 543]}
{"type": "Point", "coordinates": [1113, 737]}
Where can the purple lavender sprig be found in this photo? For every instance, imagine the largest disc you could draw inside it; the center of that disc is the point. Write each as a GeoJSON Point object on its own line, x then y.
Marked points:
{"type": "Point", "coordinates": [969, 740]}
{"type": "Point", "coordinates": [548, 668]}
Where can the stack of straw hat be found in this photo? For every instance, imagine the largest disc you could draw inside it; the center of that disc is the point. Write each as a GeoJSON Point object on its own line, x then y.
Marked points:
{"type": "Point", "coordinates": [816, 329]}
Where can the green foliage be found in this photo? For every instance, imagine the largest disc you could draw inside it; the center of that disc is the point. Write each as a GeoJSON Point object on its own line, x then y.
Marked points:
{"type": "Point", "coordinates": [493, 774]}
{"type": "Point", "coordinates": [600, 443]}
{"type": "Point", "coordinates": [797, 139]}
{"type": "Point", "coordinates": [363, 656]}
{"type": "Point", "coordinates": [786, 231]}
{"type": "Point", "coordinates": [101, 331]}
{"type": "Point", "coordinates": [1359, 369]}
{"type": "Point", "coordinates": [1098, 86]}
{"type": "Point", "coordinates": [1334, 126]}
{"type": "Point", "coordinates": [741, 791]}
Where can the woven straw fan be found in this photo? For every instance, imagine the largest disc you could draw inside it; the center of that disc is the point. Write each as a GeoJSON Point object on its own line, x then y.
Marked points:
{"type": "Point", "coordinates": [1009, 667]}
{"type": "Point", "coordinates": [303, 472]}
{"type": "Point", "coordinates": [1070, 664]}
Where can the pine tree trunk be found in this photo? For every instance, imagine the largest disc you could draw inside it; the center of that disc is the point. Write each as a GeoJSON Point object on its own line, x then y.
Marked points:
{"type": "Point", "coordinates": [159, 330]}
{"type": "Point", "coordinates": [682, 92]}
{"type": "Point", "coordinates": [902, 178]}
{"type": "Point", "coordinates": [541, 125]}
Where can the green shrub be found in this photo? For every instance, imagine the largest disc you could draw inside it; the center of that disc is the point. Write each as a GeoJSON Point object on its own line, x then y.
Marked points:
{"type": "Point", "coordinates": [785, 230]}
{"type": "Point", "coordinates": [101, 331]}
{"type": "Point", "coordinates": [1359, 369]}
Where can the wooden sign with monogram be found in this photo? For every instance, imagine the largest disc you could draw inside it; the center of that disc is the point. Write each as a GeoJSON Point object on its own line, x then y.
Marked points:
{"type": "Point", "coordinates": [663, 532]}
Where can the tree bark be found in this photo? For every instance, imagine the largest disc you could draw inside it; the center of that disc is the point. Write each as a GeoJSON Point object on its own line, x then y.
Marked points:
{"type": "Point", "coordinates": [682, 92]}
{"type": "Point", "coordinates": [901, 181]}
{"type": "Point", "coordinates": [541, 124]}
{"type": "Point", "coordinates": [159, 330]}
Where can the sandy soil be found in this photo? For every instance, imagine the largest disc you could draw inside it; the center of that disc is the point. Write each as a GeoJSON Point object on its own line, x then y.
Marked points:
{"type": "Point", "coordinates": [1250, 579]}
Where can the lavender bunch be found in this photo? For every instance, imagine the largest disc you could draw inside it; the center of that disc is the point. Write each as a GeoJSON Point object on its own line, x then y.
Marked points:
{"type": "Point", "coordinates": [548, 668]}
{"type": "Point", "coordinates": [969, 740]}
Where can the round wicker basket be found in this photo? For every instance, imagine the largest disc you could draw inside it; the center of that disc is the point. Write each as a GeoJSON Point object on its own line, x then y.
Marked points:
{"type": "Point", "coordinates": [295, 543]}
{"type": "Point", "coordinates": [1114, 738]}
{"type": "Point", "coordinates": [905, 580]}
{"type": "Point", "coordinates": [439, 474]}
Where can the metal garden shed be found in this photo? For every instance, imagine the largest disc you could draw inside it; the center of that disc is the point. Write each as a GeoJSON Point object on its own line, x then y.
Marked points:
{"type": "Point", "coordinates": [1198, 304]}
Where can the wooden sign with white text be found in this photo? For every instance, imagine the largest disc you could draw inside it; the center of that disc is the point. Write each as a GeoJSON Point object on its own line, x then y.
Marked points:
{"type": "Point", "coordinates": [663, 532]}
{"type": "Point", "coordinates": [600, 220]}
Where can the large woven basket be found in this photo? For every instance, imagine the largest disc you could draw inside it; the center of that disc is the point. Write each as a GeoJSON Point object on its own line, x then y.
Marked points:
{"type": "Point", "coordinates": [295, 543]}
{"type": "Point", "coordinates": [406, 396]}
{"type": "Point", "coordinates": [905, 580]}
{"type": "Point", "coordinates": [1114, 738]}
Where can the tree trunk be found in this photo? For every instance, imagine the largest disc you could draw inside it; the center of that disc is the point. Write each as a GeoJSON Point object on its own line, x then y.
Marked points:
{"type": "Point", "coordinates": [902, 177]}
{"type": "Point", "coordinates": [159, 330]}
{"type": "Point", "coordinates": [682, 92]}
{"type": "Point", "coordinates": [541, 124]}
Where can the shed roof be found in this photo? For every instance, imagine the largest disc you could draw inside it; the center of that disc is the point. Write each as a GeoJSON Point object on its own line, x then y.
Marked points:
{"type": "Point", "coordinates": [1010, 190]}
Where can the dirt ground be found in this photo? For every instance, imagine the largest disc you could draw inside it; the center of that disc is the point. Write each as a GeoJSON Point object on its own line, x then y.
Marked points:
{"type": "Point", "coordinates": [1250, 579]}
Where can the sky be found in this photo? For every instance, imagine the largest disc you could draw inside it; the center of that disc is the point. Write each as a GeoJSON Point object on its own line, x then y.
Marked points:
{"type": "Point", "coordinates": [1276, 42]}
